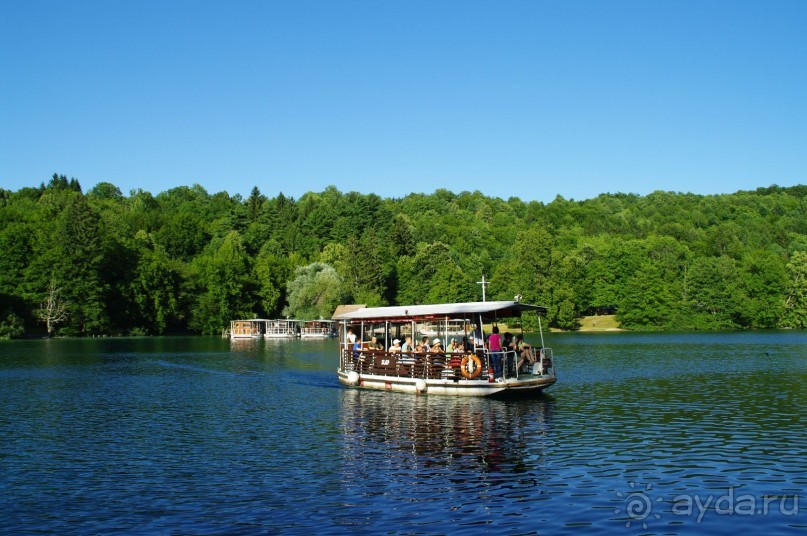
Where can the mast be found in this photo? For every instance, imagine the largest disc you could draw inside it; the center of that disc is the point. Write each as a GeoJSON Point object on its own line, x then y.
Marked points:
{"type": "Point", "coordinates": [484, 284]}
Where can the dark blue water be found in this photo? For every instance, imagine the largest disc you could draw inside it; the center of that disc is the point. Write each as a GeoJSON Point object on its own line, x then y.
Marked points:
{"type": "Point", "coordinates": [670, 433]}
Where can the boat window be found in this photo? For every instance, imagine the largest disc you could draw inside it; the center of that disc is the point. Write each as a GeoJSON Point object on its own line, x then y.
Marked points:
{"type": "Point", "coordinates": [374, 329]}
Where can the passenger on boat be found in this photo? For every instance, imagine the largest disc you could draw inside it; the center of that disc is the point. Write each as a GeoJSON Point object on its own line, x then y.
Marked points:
{"type": "Point", "coordinates": [407, 345]}
{"type": "Point", "coordinates": [467, 346]}
{"type": "Point", "coordinates": [507, 341]}
{"type": "Point", "coordinates": [454, 347]}
{"type": "Point", "coordinates": [478, 338]}
{"type": "Point", "coordinates": [509, 352]}
{"type": "Point", "coordinates": [407, 358]}
{"type": "Point", "coordinates": [495, 349]}
{"type": "Point", "coordinates": [351, 337]}
{"type": "Point", "coordinates": [396, 347]}
{"type": "Point", "coordinates": [424, 345]}
{"type": "Point", "coordinates": [375, 345]}
{"type": "Point", "coordinates": [525, 351]}
{"type": "Point", "coordinates": [436, 347]}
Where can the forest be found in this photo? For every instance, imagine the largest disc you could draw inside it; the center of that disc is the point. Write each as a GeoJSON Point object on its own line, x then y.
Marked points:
{"type": "Point", "coordinates": [75, 263]}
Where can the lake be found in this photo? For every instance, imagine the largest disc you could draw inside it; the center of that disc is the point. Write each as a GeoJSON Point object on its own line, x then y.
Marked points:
{"type": "Point", "coordinates": [643, 433]}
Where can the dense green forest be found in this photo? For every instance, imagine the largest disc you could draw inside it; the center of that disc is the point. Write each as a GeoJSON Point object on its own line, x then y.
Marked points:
{"type": "Point", "coordinates": [101, 262]}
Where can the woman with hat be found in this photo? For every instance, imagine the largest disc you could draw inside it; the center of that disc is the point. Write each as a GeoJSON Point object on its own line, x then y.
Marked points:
{"type": "Point", "coordinates": [437, 348]}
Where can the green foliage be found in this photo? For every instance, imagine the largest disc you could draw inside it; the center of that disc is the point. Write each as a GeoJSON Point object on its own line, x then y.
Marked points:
{"type": "Point", "coordinates": [223, 274]}
{"type": "Point", "coordinates": [11, 325]}
{"type": "Point", "coordinates": [186, 259]}
{"type": "Point", "coordinates": [156, 288]}
{"type": "Point", "coordinates": [711, 293]}
{"type": "Point", "coordinates": [796, 296]}
{"type": "Point", "coordinates": [314, 292]}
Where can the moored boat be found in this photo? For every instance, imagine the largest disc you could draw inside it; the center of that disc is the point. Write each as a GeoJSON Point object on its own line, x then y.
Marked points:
{"type": "Point", "coordinates": [247, 329]}
{"type": "Point", "coordinates": [318, 329]}
{"type": "Point", "coordinates": [372, 357]}
{"type": "Point", "coordinates": [282, 329]}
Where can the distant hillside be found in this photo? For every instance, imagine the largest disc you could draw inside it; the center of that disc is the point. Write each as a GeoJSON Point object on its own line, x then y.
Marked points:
{"type": "Point", "coordinates": [102, 262]}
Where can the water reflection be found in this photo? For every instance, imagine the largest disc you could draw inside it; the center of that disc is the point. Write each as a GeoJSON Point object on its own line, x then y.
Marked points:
{"type": "Point", "coordinates": [409, 449]}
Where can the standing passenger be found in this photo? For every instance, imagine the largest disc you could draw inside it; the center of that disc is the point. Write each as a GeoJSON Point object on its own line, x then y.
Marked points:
{"type": "Point", "coordinates": [509, 352]}
{"type": "Point", "coordinates": [495, 349]}
{"type": "Point", "coordinates": [478, 338]}
{"type": "Point", "coordinates": [351, 337]}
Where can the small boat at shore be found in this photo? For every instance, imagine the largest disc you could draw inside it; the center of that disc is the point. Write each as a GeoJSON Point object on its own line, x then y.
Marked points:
{"type": "Point", "coordinates": [318, 329]}
{"type": "Point", "coordinates": [372, 357]}
{"type": "Point", "coordinates": [282, 329]}
{"type": "Point", "coordinates": [248, 329]}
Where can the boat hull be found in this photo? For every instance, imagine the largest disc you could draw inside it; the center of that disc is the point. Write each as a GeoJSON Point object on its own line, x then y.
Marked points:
{"type": "Point", "coordinates": [523, 386]}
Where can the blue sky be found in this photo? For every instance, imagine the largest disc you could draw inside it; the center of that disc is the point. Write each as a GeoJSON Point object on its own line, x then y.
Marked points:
{"type": "Point", "coordinates": [531, 99]}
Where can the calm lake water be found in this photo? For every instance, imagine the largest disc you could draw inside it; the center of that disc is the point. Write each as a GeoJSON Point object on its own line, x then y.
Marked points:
{"type": "Point", "coordinates": [678, 433]}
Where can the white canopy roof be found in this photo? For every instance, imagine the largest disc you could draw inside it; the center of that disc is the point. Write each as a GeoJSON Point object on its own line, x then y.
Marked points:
{"type": "Point", "coordinates": [487, 308]}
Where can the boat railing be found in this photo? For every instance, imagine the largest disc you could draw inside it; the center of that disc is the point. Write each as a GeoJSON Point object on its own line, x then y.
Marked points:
{"type": "Point", "coordinates": [431, 365]}
{"type": "Point", "coordinates": [280, 330]}
{"type": "Point", "coordinates": [546, 361]}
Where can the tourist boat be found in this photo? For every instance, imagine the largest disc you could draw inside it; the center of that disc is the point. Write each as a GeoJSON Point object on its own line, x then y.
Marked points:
{"type": "Point", "coordinates": [318, 329]}
{"type": "Point", "coordinates": [469, 372]}
{"type": "Point", "coordinates": [282, 329]}
{"type": "Point", "coordinates": [247, 329]}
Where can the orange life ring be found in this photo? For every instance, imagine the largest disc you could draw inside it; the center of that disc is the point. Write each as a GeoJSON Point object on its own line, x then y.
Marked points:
{"type": "Point", "coordinates": [475, 371]}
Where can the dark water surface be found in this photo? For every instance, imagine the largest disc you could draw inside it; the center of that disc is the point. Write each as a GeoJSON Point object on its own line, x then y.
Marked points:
{"type": "Point", "coordinates": [678, 433]}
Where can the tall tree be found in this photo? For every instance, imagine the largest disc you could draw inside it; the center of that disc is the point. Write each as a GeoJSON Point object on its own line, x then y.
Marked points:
{"type": "Point", "coordinates": [795, 315]}
{"type": "Point", "coordinates": [224, 292]}
{"type": "Point", "coordinates": [314, 292]}
{"type": "Point", "coordinates": [53, 310]}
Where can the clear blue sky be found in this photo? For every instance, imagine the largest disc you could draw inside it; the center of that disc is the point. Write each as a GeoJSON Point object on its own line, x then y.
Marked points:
{"type": "Point", "coordinates": [533, 98]}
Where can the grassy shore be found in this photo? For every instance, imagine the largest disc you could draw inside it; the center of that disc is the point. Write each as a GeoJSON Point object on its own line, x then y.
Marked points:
{"type": "Point", "coordinates": [599, 323]}
{"type": "Point", "coordinates": [587, 323]}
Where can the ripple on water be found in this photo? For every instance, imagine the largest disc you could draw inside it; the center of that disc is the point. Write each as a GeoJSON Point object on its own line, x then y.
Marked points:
{"type": "Point", "coordinates": [198, 436]}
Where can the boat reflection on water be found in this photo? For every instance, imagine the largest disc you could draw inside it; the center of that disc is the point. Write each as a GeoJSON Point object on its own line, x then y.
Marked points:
{"type": "Point", "coordinates": [401, 440]}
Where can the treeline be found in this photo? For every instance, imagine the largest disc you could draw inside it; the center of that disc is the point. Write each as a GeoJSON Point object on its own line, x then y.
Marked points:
{"type": "Point", "coordinates": [101, 262]}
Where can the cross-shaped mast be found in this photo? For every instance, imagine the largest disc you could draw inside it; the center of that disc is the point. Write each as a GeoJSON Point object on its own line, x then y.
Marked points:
{"type": "Point", "coordinates": [484, 284]}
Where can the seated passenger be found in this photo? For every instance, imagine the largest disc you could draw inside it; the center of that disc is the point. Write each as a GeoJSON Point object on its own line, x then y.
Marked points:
{"type": "Point", "coordinates": [424, 345]}
{"type": "Point", "coordinates": [407, 345]}
{"type": "Point", "coordinates": [396, 347]}
{"type": "Point", "coordinates": [436, 347]}
{"type": "Point", "coordinates": [467, 346]}
{"type": "Point", "coordinates": [524, 350]}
